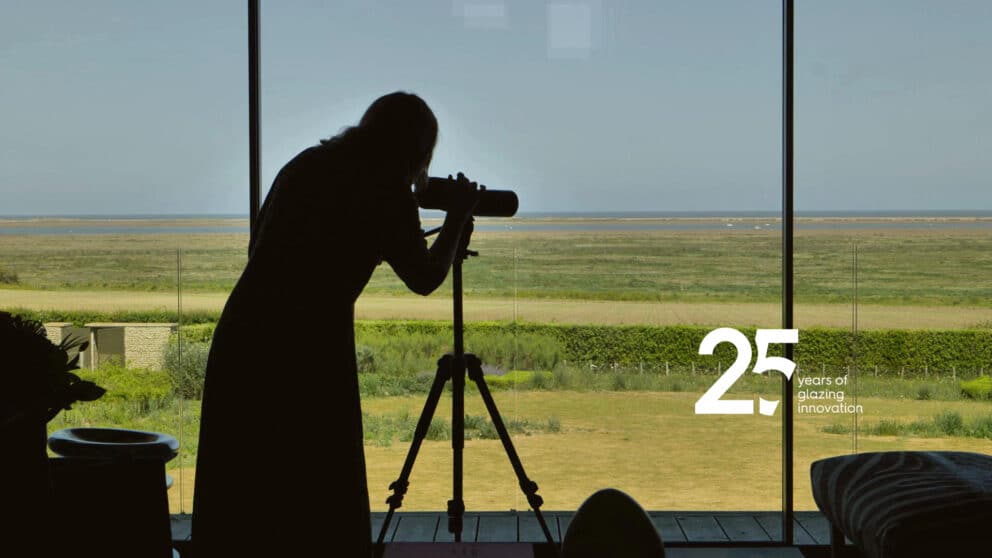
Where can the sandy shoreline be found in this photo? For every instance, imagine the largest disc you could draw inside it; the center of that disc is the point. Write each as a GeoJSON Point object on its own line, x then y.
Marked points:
{"type": "Point", "coordinates": [44, 222]}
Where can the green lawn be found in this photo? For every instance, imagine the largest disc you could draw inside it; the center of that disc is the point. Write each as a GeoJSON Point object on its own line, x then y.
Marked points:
{"type": "Point", "coordinates": [649, 443]}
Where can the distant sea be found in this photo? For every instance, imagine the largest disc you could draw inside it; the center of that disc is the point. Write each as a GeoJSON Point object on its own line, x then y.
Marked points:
{"type": "Point", "coordinates": [523, 221]}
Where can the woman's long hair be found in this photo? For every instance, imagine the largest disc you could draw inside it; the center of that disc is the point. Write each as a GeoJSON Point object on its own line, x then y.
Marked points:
{"type": "Point", "coordinates": [397, 128]}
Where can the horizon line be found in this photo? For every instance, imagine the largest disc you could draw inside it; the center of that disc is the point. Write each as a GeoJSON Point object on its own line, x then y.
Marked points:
{"type": "Point", "coordinates": [574, 212]}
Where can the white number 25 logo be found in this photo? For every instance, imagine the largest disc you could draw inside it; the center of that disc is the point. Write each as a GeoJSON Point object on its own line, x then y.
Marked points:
{"type": "Point", "coordinates": [710, 403]}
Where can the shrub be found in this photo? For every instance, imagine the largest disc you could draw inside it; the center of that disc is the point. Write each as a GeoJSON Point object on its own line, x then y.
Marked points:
{"type": "Point", "coordinates": [982, 427]}
{"type": "Point", "coordinates": [979, 388]}
{"type": "Point", "coordinates": [510, 380]}
{"type": "Point", "coordinates": [513, 350]}
{"type": "Point", "coordinates": [836, 428]}
{"type": "Point", "coordinates": [365, 359]}
{"type": "Point", "coordinates": [540, 380]}
{"type": "Point", "coordinates": [475, 422]}
{"type": "Point", "coordinates": [563, 378]}
{"type": "Point", "coordinates": [619, 382]}
{"type": "Point", "coordinates": [924, 393]}
{"type": "Point", "coordinates": [949, 422]}
{"type": "Point", "coordinates": [187, 367]}
{"type": "Point", "coordinates": [381, 429]}
{"type": "Point", "coordinates": [386, 385]}
{"type": "Point", "coordinates": [515, 426]}
{"type": "Point", "coordinates": [198, 333]}
{"type": "Point", "coordinates": [486, 430]}
{"type": "Point", "coordinates": [886, 427]}
{"type": "Point", "coordinates": [440, 429]}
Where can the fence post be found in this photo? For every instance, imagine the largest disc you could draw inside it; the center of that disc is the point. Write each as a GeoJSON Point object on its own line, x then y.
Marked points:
{"type": "Point", "coordinates": [926, 370]}
{"type": "Point", "coordinates": [876, 370]}
{"type": "Point", "coordinates": [642, 367]}
{"type": "Point", "coordinates": [666, 367]}
{"type": "Point", "coordinates": [902, 372]}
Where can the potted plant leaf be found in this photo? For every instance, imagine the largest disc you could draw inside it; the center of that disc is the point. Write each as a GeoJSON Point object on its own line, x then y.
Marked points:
{"type": "Point", "coordinates": [36, 383]}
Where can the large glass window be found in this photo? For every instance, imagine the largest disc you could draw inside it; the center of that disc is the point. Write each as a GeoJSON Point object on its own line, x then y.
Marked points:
{"type": "Point", "coordinates": [892, 249]}
{"type": "Point", "coordinates": [643, 141]}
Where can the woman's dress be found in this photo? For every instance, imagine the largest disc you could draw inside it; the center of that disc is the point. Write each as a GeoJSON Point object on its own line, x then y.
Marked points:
{"type": "Point", "coordinates": [280, 465]}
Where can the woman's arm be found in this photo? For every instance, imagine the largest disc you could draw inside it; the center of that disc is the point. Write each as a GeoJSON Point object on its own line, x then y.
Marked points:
{"type": "Point", "coordinates": [424, 269]}
{"type": "Point", "coordinates": [442, 253]}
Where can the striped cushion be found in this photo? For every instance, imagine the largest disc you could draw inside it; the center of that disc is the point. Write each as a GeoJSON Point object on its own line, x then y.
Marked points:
{"type": "Point", "coordinates": [906, 503]}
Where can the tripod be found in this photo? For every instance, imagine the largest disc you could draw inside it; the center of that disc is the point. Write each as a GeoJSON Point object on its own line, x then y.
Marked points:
{"type": "Point", "coordinates": [453, 366]}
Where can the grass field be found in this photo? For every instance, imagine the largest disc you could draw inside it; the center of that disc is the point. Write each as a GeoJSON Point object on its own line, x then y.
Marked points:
{"type": "Point", "coordinates": [907, 278]}
{"type": "Point", "coordinates": [940, 267]}
{"type": "Point", "coordinates": [646, 440]}
{"type": "Point", "coordinates": [647, 443]}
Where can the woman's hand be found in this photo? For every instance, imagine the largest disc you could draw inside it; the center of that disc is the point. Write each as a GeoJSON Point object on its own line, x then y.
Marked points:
{"type": "Point", "coordinates": [464, 197]}
{"type": "Point", "coordinates": [465, 238]}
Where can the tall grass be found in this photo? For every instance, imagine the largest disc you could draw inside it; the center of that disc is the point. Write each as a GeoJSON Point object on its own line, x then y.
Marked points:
{"type": "Point", "coordinates": [415, 353]}
{"type": "Point", "coordinates": [945, 423]}
{"type": "Point", "coordinates": [383, 430]}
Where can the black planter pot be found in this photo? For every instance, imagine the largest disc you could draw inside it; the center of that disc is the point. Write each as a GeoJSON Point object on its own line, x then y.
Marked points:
{"type": "Point", "coordinates": [26, 487]}
{"type": "Point", "coordinates": [111, 491]}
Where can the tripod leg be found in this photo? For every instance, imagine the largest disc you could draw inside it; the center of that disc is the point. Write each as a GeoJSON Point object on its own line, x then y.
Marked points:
{"type": "Point", "coordinates": [400, 485]}
{"type": "Point", "coordinates": [528, 486]}
{"type": "Point", "coordinates": [456, 506]}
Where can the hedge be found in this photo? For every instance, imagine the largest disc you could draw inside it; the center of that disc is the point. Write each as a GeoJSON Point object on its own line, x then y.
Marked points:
{"type": "Point", "coordinates": [81, 317]}
{"type": "Point", "coordinates": [889, 350]}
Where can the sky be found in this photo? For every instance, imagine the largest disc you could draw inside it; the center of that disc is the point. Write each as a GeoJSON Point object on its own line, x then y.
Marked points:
{"type": "Point", "coordinates": [123, 107]}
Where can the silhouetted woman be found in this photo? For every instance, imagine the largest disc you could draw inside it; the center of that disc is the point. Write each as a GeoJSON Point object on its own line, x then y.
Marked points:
{"type": "Point", "coordinates": [281, 466]}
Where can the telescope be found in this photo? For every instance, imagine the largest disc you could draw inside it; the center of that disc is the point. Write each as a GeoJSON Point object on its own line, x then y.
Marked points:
{"type": "Point", "coordinates": [492, 203]}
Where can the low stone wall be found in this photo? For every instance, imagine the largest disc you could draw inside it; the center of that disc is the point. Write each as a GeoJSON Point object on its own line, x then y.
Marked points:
{"type": "Point", "coordinates": [137, 345]}
{"type": "Point", "coordinates": [57, 331]}
{"type": "Point", "coordinates": [144, 346]}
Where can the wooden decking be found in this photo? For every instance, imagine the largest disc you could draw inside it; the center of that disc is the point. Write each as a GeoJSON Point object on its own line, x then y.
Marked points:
{"type": "Point", "coordinates": [676, 528]}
